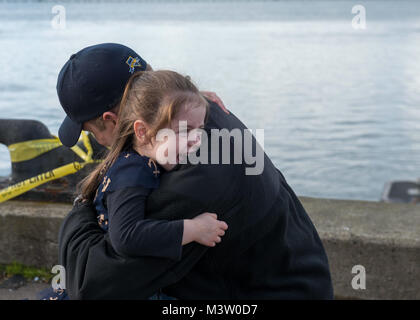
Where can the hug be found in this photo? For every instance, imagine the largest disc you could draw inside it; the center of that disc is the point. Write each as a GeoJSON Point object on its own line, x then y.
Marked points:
{"type": "Point", "coordinates": [150, 224]}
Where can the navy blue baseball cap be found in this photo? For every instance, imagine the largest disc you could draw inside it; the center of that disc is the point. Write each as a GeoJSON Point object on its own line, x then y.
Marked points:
{"type": "Point", "coordinates": [92, 82]}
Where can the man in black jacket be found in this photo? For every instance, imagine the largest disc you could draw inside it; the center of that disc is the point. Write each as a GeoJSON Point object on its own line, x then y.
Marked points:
{"type": "Point", "coordinates": [270, 251]}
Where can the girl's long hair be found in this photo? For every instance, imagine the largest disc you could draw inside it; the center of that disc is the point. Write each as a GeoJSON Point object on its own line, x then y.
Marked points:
{"type": "Point", "coordinates": [153, 96]}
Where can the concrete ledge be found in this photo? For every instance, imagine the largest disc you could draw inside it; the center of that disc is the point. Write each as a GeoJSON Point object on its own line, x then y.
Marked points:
{"type": "Point", "coordinates": [29, 232]}
{"type": "Point", "coordinates": [382, 237]}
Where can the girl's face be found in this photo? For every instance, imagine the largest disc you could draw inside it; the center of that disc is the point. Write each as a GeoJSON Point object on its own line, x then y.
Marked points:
{"type": "Point", "coordinates": [181, 139]}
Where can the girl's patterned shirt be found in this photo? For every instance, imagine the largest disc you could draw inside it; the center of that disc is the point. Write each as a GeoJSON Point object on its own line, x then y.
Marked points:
{"type": "Point", "coordinates": [120, 204]}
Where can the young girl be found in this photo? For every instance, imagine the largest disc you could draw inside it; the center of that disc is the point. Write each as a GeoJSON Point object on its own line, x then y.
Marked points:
{"type": "Point", "coordinates": [119, 186]}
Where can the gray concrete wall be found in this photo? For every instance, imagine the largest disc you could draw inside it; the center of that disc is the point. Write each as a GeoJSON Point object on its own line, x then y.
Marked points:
{"type": "Point", "coordinates": [383, 238]}
{"type": "Point", "coordinates": [29, 232]}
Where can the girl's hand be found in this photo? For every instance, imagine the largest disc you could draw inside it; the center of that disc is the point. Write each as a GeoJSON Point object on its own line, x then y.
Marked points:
{"type": "Point", "coordinates": [209, 230]}
{"type": "Point", "coordinates": [204, 229]}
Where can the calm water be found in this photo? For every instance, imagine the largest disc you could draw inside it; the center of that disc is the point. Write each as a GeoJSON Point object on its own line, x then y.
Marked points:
{"type": "Point", "coordinates": [340, 107]}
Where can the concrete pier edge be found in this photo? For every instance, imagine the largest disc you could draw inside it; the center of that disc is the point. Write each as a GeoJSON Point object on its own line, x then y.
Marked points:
{"type": "Point", "coordinates": [383, 238]}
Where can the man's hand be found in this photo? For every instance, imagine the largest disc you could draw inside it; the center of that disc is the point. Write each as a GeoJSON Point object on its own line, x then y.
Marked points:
{"type": "Point", "coordinates": [214, 97]}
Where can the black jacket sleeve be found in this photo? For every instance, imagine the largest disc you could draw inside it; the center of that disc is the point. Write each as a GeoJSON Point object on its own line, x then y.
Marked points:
{"type": "Point", "coordinates": [133, 235]}
{"type": "Point", "coordinates": [95, 271]}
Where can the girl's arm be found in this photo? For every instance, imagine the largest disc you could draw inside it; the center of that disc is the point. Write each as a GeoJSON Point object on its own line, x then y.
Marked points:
{"type": "Point", "coordinates": [131, 234]}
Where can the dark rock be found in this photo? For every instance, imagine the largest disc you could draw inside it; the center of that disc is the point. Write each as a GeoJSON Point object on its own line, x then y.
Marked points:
{"type": "Point", "coordinates": [14, 282]}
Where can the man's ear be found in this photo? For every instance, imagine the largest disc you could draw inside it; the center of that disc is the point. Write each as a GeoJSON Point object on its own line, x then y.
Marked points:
{"type": "Point", "coordinates": [140, 129]}
{"type": "Point", "coordinates": [110, 116]}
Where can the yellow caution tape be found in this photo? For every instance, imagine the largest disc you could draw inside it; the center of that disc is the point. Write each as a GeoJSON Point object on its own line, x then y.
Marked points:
{"type": "Point", "coordinates": [38, 148]}
{"type": "Point", "coordinates": [27, 150]}
{"type": "Point", "coordinates": [28, 184]}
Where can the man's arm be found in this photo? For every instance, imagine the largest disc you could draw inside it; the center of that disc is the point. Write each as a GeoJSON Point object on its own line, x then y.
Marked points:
{"type": "Point", "coordinates": [95, 271]}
